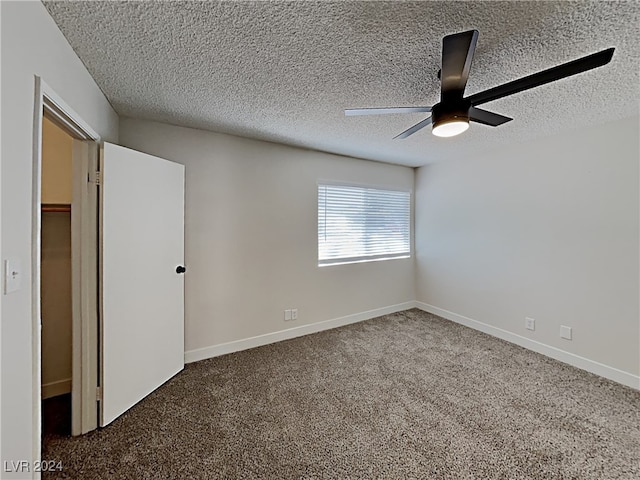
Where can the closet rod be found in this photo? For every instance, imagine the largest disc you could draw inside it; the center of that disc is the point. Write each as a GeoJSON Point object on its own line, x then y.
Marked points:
{"type": "Point", "coordinates": [55, 208]}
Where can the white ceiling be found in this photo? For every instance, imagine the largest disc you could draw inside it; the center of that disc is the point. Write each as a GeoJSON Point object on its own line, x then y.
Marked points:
{"type": "Point", "coordinates": [284, 71]}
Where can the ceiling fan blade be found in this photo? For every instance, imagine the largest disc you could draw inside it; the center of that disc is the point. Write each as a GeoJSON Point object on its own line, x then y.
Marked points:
{"type": "Point", "coordinates": [550, 75]}
{"type": "Point", "coordinates": [487, 118]}
{"type": "Point", "coordinates": [457, 54]}
{"type": "Point", "coordinates": [414, 129]}
{"type": "Point", "coordinates": [381, 111]}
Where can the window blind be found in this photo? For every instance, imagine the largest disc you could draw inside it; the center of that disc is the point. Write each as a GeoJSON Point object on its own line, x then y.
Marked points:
{"type": "Point", "coordinates": [357, 224]}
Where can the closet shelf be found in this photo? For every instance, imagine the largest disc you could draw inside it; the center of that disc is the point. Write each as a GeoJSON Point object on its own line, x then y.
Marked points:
{"type": "Point", "coordinates": [56, 208]}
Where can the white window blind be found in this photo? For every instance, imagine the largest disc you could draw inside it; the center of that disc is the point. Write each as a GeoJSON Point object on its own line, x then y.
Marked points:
{"type": "Point", "coordinates": [359, 224]}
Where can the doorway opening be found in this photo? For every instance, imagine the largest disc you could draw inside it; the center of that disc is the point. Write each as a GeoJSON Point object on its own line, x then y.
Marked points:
{"type": "Point", "coordinates": [65, 270]}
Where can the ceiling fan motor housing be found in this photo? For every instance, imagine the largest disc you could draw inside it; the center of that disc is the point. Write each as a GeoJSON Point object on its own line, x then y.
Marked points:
{"type": "Point", "coordinates": [451, 111]}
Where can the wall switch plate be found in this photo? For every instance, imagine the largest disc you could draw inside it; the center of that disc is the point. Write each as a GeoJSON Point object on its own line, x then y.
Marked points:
{"type": "Point", "coordinates": [287, 315]}
{"type": "Point", "coordinates": [565, 332]}
{"type": "Point", "coordinates": [530, 323]}
{"type": "Point", "coordinates": [12, 275]}
{"type": "Point", "coordinates": [294, 314]}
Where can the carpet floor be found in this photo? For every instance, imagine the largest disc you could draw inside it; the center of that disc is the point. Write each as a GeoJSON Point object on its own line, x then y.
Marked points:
{"type": "Point", "coordinates": [404, 396]}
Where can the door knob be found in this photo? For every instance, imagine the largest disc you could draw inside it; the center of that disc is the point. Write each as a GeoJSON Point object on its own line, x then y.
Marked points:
{"type": "Point", "coordinates": [180, 269]}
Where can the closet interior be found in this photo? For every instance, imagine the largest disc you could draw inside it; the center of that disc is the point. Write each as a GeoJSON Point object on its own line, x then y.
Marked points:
{"type": "Point", "coordinates": [56, 300]}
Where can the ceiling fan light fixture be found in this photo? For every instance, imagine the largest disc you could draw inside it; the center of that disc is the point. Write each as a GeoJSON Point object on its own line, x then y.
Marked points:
{"type": "Point", "coordinates": [450, 128]}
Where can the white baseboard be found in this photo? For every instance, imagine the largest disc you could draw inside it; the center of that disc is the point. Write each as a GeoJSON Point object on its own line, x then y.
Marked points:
{"type": "Point", "coordinates": [252, 342]}
{"type": "Point", "coordinates": [53, 389]}
{"type": "Point", "coordinates": [600, 369]}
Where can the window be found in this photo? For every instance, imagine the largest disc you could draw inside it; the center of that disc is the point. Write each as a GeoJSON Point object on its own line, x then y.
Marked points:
{"type": "Point", "coordinates": [360, 224]}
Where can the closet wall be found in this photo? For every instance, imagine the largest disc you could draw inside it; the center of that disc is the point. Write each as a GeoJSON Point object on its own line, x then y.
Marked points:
{"type": "Point", "coordinates": [56, 260]}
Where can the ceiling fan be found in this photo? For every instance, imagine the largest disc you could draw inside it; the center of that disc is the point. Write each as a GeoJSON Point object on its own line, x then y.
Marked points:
{"type": "Point", "coordinates": [451, 116]}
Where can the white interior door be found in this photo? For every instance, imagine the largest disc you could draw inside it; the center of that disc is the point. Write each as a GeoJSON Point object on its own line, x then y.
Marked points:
{"type": "Point", "coordinates": [142, 244]}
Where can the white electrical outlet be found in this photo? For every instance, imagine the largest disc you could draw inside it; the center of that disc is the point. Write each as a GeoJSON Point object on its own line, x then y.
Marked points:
{"type": "Point", "coordinates": [287, 315]}
{"type": "Point", "coordinates": [565, 332]}
{"type": "Point", "coordinates": [530, 323]}
{"type": "Point", "coordinates": [294, 314]}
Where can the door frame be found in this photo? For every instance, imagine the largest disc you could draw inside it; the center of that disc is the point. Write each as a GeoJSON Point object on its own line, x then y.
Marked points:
{"type": "Point", "coordinates": [84, 294]}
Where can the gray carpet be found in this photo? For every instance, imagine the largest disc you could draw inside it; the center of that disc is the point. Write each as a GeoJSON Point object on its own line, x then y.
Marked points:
{"type": "Point", "coordinates": [403, 396]}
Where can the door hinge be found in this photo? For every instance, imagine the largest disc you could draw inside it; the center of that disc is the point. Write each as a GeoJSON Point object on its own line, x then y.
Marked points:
{"type": "Point", "coordinates": [99, 394]}
{"type": "Point", "coordinates": [95, 177]}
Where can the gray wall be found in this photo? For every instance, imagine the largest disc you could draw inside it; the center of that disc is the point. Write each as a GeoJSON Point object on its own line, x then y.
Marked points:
{"type": "Point", "coordinates": [546, 229]}
{"type": "Point", "coordinates": [251, 234]}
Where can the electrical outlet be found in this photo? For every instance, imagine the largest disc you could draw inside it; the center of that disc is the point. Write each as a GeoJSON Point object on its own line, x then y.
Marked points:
{"type": "Point", "coordinates": [565, 332]}
{"type": "Point", "coordinates": [287, 315]}
{"type": "Point", "coordinates": [294, 314]}
{"type": "Point", "coordinates": [529, 323]}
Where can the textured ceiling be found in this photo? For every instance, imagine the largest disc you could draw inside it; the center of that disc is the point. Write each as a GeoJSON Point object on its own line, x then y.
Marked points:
{"type": "Point", "coordinates": [285, 71]}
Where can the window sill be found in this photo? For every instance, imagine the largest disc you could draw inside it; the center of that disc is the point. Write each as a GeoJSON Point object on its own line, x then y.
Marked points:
{"type": "Point", "coordinates": [361, 260]}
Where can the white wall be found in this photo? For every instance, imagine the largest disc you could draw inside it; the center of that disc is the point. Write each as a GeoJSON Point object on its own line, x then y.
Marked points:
{"type": "Point", "coordinates": [31, 45]}
{"type": "Point", "coordinates": [251, 234]}
{"type": "Point", "coordinates": [546, 229]}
